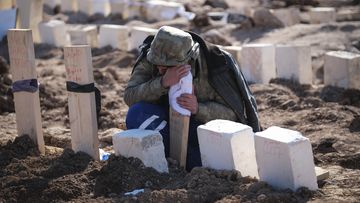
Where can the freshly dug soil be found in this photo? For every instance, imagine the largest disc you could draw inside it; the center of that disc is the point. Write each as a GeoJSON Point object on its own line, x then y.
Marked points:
{"type": "Point", "coordinates": [328, 116]}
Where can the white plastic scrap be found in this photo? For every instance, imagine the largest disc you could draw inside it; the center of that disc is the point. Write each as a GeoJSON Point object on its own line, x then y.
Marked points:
{"type": "Point", "coordinates": [103, 155]}
{"type": "Point", "coordinates": [135, 192]}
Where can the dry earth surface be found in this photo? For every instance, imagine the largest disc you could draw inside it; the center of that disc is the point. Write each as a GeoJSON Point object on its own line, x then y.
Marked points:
{"type": "Point", "coordinates": [328, 116]}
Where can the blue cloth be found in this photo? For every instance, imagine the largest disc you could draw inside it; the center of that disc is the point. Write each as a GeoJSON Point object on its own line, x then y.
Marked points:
{"type": "Point", "coordinates": [30, 85]}
{"type": "Point", "coordinates": [140, 112]}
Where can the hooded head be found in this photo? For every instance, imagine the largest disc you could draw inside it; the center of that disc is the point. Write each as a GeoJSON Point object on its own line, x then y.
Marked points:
{"type": "Point", "coordinates": [171, 47]}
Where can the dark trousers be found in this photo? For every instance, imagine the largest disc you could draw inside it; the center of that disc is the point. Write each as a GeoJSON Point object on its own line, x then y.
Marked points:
{"type": "Point", "coordinates": [154, 117]}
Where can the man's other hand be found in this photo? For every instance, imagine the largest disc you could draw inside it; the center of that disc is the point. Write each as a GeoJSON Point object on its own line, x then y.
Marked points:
{"type": "Point", "coordinates": [189, 102]}
{"type": "Point", "coordinates": [173, 75]}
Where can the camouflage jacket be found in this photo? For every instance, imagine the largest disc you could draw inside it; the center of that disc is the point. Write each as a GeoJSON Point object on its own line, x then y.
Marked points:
{"type": "Point", "coordinates": [144, 85]}
{"type": "Point", "coordinates": [220, 87]}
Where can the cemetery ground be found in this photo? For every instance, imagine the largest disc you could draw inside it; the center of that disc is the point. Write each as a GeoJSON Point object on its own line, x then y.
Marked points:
{"type": "Point", "coordinates": [328, 116]}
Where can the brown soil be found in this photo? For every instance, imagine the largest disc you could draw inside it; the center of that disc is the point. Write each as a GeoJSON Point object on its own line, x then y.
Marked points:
{"type": "Point", "coordinates": [328, 116]}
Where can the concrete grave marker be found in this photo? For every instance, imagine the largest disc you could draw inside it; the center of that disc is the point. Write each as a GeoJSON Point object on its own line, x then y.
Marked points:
{"type": "Point", "coordinates": [27, 103]}
{"type": "Point", "coordinates": [69, 5]}
{"type": "Point", "coordinates": [342, 69]}
{"type": "Point", "coordinates": [119, 7]}
{"type": "Point", "coordinates": [147, 145]}
{"type": "Point", "coordinates": [138, 35]}
{"type": "Point", "coordinates": [116, 36]}
{"type": "Point", "coordinates": [285, 159]}
{"type": "Point", "coordinates": [82, 109]}
{"type": "Point", "coordinates": [322, 15]}
{"type": "Point", "coordinates": [84, 35]}
{"type": "Point", "coordinates": [30, 14]}
{"type": "Point", "coordinates": [227, 145]}
{"type": "Point", "coordinates": [91, 7]}
{"type": "Point", "coordinates": [294, 62]}
{"type": "Point", "coordinates": [258, 62]}
{"type": "Point", "coordinates": [162, 10]}
{"type": "Point", "coordinates": [288, 16]}
{"type": "Point", "coordinates": [54, 32]}
{"type": "Point", "coordinates": [321, 174]}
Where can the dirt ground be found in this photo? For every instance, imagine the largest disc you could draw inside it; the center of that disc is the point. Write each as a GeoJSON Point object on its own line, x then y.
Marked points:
{"type": "Point", "coordinates": [328, 116]}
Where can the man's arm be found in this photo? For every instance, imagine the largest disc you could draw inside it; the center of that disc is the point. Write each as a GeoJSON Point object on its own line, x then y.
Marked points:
{"type": "Point", "coordinates": [142, 86]}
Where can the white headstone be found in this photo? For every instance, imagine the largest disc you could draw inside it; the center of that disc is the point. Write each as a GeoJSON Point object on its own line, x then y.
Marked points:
{"type": "Point", "coordinates": [69, 5]}
{"type": "Point", "coordinates": [119, 7]}
{"type": "Point", "coordinates": [228, 145]}
{"type": "Point", "coordinates": [322, 15]}
{"type": "Point", "coordinates": [138, 35]}
{"type": "Point", "coordinates": [342, 69]}
{"type": "Point", "coordinates": [285, 159]}
{"type": "Point", "coordinates": [162, 10]}
{"type": "Point", "coordinates": [147, 145]}
{"type": "Point", "coordinates": [294, 62]}
{"type": "Point", "coordinates": [82, 35]}
{"type": "Point", "coordinates": [258, 62]}
{"type": "Point", "coordinates": [91, 7]}
{"type": "Point", "coordinates": [288, 16]}
{"type": "Point", "coordinates": [54, 32]}
{"type": "Point", "coordinates": [116, 36]}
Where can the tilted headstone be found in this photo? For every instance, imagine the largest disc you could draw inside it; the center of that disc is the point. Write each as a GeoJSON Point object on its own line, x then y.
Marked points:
{"type": "Point", "coordinates": [146, 145]}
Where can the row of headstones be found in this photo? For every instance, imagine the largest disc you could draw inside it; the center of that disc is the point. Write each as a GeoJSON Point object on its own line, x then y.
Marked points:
{"type": "Point", "coordinates": [151, 10]}
{"type": "Point", "coordinates": [259, 62]}
{"type": "Point", "coordinates": [30, 12]}
{"type": "Point", "coordinates": [284, 17]}
{"type": "Point", "coordinates": [262, 62]}
{"type": "Point", "coordinates": [164, 10]}
{"type": "Point", "coordinates": [122, 37]}
{"type": "Point", "coordinates": [281, 157]}
{"type": "Point", "coordinates": [79, 71]}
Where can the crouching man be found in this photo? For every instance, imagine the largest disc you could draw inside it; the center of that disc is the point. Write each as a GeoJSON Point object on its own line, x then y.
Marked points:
{"type": "Point", "coordinates": [220, 90]}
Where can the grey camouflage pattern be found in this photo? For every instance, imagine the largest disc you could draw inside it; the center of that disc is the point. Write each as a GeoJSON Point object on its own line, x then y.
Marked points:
{"type": "Point", "coordinates": [145, 85]}
{"type": "Point", "coordinates": [170, 47]}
